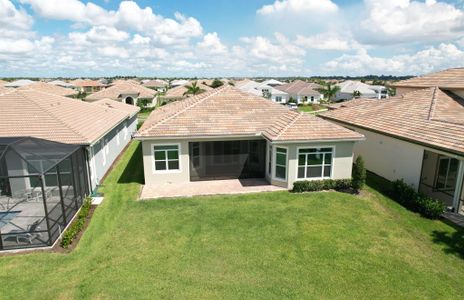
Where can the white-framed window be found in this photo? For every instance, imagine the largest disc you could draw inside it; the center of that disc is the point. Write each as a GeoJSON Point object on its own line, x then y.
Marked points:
{"type": "Point", "coordinates": [166, 158]}
{"type": "Point", "coordinates": [278, 99]}
{"type": "Point", "coordinates": [312, 98]}
{"type": "Point", "coordinates": [315, 163]}
{"type": "Point", "coordinates": [447, 174]}
{"type": "Point", "coordinates": [280, 163]}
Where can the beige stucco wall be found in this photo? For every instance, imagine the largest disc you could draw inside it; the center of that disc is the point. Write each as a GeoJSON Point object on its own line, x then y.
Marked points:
{"type": "Point", "coordinates": [342, 161]}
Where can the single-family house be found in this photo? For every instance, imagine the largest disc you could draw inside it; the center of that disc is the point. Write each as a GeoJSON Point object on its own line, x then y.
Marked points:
{"type": "Point", "coordinates": [263, 90]}
{"type": "Point", "coordinates": [226, 133]}
{"type": "Point", "coordinates": [349, 87]}
{"type": "Point", "coordinates": [302, 92]}
{"type": "Point", "coordinates": [61, 83]}
{"type": "Point", "coordinates": [272, 82]}
{"type": "Point", "coordinates": [87, 86]}
{"type": "Point", "coordinates": [50, 88]}
{"type": "Point", "coordinates": [450, 79]}
{"type": "Point", "coordinates": [18, 83]}
{"type": "Point", "coordinates": [417, 137]}
{"type": "Point", "coordinates": [103, 131]}
{"type": "Point", "coordinates": [178, 92]}
{"type": "Point", "coordinates": [178, 82]}
{"type": "Point", "coordinates": [157, 85]}
{"type": "Point", "coordinates": [126, 92]}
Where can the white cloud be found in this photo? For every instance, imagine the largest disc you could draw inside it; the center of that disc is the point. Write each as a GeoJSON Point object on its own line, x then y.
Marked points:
{"type": "Point", "coordinates": [327, 41]}
{"type": "Point", "coordinates": [13, 18]}
{"type": "Point", "coordinates": [140, 40]}
{"type": "Point", "coordinates": [424, 61]}
{"type": "Point", "coordinates": [299, 7]}
{"type": "Point", "coordinates": [212, 44]}
{"type": "Point", "coordinates": [410, 21]}
{"type": "Point", "coordinates": [99, 34]}
{"type": "Point", "coordinates": [113, 51]}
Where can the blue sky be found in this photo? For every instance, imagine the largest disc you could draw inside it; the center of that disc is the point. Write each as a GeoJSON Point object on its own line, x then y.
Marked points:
{"type": "Point", "coordinates": [229, 38]}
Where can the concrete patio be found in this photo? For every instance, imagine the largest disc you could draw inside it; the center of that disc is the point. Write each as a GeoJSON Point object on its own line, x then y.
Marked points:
{"type": "Point", "coordinates": [213, 187]}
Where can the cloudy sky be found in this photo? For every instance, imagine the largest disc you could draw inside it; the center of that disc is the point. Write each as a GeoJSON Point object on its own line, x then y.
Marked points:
{"type": "Point", "coordinates": [229, 38]}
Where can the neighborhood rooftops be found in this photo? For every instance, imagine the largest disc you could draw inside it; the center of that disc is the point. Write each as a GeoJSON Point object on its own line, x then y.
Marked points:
{"type": "Point", "coordinates": [450, 78]}
{"type": "Point", "coordinates": [227, 111]}
{"type": "Point", "coordinates": [122, 88]}
{"type": "Point", "coordinates": [43, 115]}
{"type": "Point", "coordinates": [299, 87]}
{"type": "Point", "coordinates": [130, 110]}
{"type": "Point", "coordinates": [179, 91]}
{"type": "Point", "coordinates": [86, 83]}
{"type": "Point", "coordinates": [19, 83]}
{"type": "Point", "coordinates": [49, 88]}
{"type": "Point", "coordinates": [427, 116]}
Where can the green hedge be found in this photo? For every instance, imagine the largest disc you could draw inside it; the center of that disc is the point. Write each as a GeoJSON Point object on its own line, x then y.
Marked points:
{"type": "Point", "coordinates": [418, 202]}
{"type": "Point", "coordinates": [77, 225]}
{"type": "Point", "coordinates": [320, 185]}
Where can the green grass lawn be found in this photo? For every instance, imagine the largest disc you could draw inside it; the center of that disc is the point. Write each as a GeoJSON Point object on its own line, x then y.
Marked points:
{"type": "Point", "coordinates": [305, 108]}
{"type": "Point", "coordinates": [272, 245]}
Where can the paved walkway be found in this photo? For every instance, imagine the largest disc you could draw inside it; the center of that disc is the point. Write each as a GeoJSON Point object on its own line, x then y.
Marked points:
{"type": "Point", "coordinates": [213, 187]}
{"type": "Point", "coordinates": [457, 219]}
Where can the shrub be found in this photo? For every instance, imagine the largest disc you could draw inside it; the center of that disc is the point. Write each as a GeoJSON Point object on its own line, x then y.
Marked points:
{"type": "Point", "coordinates": [359, 174]}
{"type": "Point", "coordinates": [418, 202]}
{"type": "Point", "coordinates": [320, 185]}
{"type": "Point", "coordinates": [77, 225]}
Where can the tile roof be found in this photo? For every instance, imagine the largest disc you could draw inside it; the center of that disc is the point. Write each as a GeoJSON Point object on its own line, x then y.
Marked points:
{"type": "Point", "coordinates": [49, 88]}
{"type": "Point", "coordinates": [115, 91]}
{"type": "Point", "coordinates": [130, 110]}
{"type": "Point", "coordinates": [43, 115]}
{"type": "Point", "coordinates": [86, 82]}
{"type": "Point", "coordinates": [450, 78]}
{"type": "Point", "coordinates": [3, 82]}
{"type": "Point", "coordinates": [155, 83]}
{"type": "Point", "coordinates": [428, 116]}
{"type": "Point", "coordinates": [178, 91]}
{"type": "Point", "coordinates": [229, 111]}
{"type": "Point", "coordinates": [299, 87]}
{"type": "Point", "coordinates": [18, 83]}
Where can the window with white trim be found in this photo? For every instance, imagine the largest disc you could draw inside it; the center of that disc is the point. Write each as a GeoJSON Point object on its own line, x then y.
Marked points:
{"type": "Point", "coordinates": [278, 99]}
{"type": "Point", "coordinates": [166, 157]}
{"type": "Point", "coordinates": [270, 161]}
{"type": "Point", "coordinates": [281, 163]}
{"type": "Point", "coordinates": [447, 174]}
{"type": "Point", "coordinates": [315, 163]}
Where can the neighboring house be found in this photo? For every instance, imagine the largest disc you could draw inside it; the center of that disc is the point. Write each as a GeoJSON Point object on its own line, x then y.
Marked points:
{"type": "Point", "coordinates": [263, 90]}
{"type": "Point", "coordinates": [226, 133]}
{"type": "Point", "coordinates": [302, 92]}
{"type": "Point", "coordinates": [178, 92]}
{"type": "Point", "coordinates": [125, 92]}
{"type": "Point", "coordinates": [103, 132]}
{"type": "Point", "coordinates": [50, 88]}
{"type": "Point", "coordinates": [87, 86]}
{"type": "Point", "coordinates": [450, 79]}
{"type": "Point", "coordinates": [349, 87]}
{"type": "Point", "coordinates": [178, 82]}
{"type": "Point", "coordinates": [417, 137]}
{"type": "Point", "coordinates": [18, 83]}
{"type": "Point", "coordinates": [157, 85]}
{"type": "Point", "coordinates": [272, 82]}
{"type": "Point", "coordinates": [61, 83]}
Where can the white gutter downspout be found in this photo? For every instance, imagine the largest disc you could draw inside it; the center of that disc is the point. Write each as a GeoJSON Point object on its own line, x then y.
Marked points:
{"type": "Point", "coordinates": [458, 189]}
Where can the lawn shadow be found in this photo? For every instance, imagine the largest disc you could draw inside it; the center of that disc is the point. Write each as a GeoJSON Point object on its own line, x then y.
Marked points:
{"type": "Point", "coordinates": [453, 241]}
{"type": "Point", "coordinates": [379, 183]}
{"type": "Point", "coordinates": [133, 173]}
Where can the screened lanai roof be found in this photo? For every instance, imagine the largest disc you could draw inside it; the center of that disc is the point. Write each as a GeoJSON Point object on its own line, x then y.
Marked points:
{"type": "Point", "coordinates": [38, 155]}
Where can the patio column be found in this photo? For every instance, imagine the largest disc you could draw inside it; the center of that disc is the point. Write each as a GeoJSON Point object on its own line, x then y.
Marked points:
{"type": "Point", "coordinates": [459, 182]}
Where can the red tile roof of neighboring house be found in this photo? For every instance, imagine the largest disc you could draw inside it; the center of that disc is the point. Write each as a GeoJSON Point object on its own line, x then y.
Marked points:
{"type": "Point", "coordinates": [122, 88]}
{"type": "Point", "coordinates": [446, 79]}
{"type": "Point", "coordinates": [429, 116]}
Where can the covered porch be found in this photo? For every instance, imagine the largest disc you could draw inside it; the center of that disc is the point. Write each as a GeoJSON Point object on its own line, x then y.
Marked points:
{"type": "Point", "coordinates": [442, 178]}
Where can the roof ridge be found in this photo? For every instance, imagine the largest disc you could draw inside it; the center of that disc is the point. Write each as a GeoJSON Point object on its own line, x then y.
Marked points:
{"type": "Point", "coordinates": [289, 124]}
{"type": "Point", "coordinates": [52, 114]}
{"type": "Point", "coordinates": [197, 101]}
{"type": "Point", "coordinates": [432, 105]}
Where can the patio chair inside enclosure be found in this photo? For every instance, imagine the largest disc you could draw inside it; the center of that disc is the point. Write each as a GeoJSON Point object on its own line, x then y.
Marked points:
{"type": "Point", "coordinates": [42, 186]}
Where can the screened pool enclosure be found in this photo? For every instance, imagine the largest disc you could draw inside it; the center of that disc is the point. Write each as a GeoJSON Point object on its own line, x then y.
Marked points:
{"type": "Point", "coordinates": [42, 186]}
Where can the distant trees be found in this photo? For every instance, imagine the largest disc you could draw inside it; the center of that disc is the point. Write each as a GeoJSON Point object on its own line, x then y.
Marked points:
{"type": "Point", "coordinates": [193, 89]}
{"type": "Point", "coordinates": [356, 94]}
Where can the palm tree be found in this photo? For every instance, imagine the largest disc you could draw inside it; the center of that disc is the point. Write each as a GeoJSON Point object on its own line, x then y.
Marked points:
{"type": "Point", "coordinates": [193, 89]}
{"type": "Point", "coordinates": [329, 91]}
{"type": "Point", "coordinates": [356, 94]}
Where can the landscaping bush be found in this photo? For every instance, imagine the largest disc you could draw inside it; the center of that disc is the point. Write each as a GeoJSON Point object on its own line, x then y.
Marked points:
{"type": "Point", "coordinates": [359, 174]}
{"type": "Point", "coordinates": [320, 185]}
{"type": "Point", "coordinates": [77, 225]}
{"type": "Point", "coordinates": [418, 202]}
